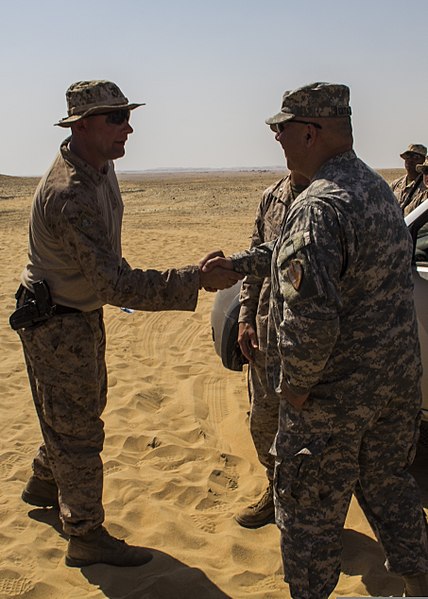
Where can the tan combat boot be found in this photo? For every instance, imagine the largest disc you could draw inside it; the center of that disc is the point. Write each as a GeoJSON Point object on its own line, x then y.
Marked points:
{"type": "Point", "coordinates": [99, 547]}
{"type": "Point", "coordinates": [416, 585]}
{"type": "Point", "coordinates": [41, 493]}
{"type": "Point", "coordinates": [260, 513]}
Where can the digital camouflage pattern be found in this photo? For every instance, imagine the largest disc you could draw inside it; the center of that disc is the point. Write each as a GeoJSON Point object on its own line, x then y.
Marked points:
{"type": "Point", "coordinates": [92, 97]}
{"type": "Point", "coordinates": [343, 329]}
{"type": "Point", "coordinates": [254, 298]}
{"type": "Point", "coordinates": [75, 246]}
{"type": "Point", "coordinates": [409, 194]}
{"type": "Point", "coordinates": [312, 101]}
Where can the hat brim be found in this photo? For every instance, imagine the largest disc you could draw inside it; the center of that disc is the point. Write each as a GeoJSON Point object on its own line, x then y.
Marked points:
{"type": "Point", "coordinates": [403, 155]}
{"type": "Point", "coordinates": [422, 168]}
{"type": "Point", "coordinates": [69, 120]}
{"type": "Point", "coordinates": [280, 117]}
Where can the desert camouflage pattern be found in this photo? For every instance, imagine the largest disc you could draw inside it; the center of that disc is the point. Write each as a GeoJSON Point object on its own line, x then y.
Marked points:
{"type": "Point", "coordinates": [91, 97]}
{"type": "Point", "coordinates": [254, 298]}
{"type": "Point", "coordinates": [264, 412]}
{"type": "Point", "coordinates": [84, 95]}
{"type": "Point", "coordinates": [75, 245]}
{"type": "Point", "coordinates": [67, 373]}
{"type": "Point", "coordinates": [314, 100]}
{"type": "Point", "coordinates": [409, 194]}
{"type": "Point", "coordinates": [255, 291]}
{"type": "Point", "coordinates": [342, 327]}
{"type": "Point", "coordinates": [416, 148]}
{"type": "Point", "coordinates": [423, 168]}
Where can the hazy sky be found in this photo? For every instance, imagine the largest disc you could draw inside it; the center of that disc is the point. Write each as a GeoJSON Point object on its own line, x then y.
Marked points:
{"type": "Point", "coordinates": [210, 73]}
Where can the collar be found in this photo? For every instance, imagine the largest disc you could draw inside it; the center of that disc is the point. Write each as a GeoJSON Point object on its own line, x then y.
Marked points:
{"type": "Point", "coordinates": [81, 166]}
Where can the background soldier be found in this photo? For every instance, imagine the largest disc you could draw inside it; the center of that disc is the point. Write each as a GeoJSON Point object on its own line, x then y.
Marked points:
{"type": "Point", "coordinates": [410, 190]}
{"type": "Point", "coordinates": [423, 195]}
{"type": "Point", "coordinates": [252, 338]}
{"type": "Point", "coordinates": [75, 252]}
{"type": "Point", "coordinates": [342, 354]}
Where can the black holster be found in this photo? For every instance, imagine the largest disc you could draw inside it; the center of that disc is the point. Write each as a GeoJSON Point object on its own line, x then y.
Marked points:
{"type": "Point", "coordinates": [32, 308]}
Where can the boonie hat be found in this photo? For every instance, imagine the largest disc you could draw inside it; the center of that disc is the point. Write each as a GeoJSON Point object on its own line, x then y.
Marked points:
{"type": "Point", "coordinates": [315, 100]}
{"type": "Point", "coordinates": [93, 97]}
{"type": "Point", "coordinates": [416, 148]}
{"type": "Point", "coordinates": [423, 168]}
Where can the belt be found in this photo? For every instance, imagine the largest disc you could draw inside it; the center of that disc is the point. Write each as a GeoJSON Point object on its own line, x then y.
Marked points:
{"type": "Point", "coordinates": [58, 308]}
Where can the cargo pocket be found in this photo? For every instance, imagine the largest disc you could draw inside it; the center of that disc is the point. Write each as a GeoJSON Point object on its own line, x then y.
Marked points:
{"type": "Point", "coordinates": [298, 468]}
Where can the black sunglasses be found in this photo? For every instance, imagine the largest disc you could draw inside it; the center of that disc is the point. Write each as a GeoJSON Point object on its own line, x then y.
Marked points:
{"type": "Point", "coordinates": [115, 117]}
{"type": "Point", "coordinates": [279, 127]}
{"type": "Point", "coordinates": [412, 155]}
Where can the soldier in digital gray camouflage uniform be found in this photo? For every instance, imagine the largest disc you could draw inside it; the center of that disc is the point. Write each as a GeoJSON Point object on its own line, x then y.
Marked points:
{"type": "Point", "coordinates": [410, 190]}
{"type": "Point", "coordinates": [343, 353]}
{"type": "Point", "coordinates": [252, 338]}
{"type": "Point", "coordinates": [75, 246]}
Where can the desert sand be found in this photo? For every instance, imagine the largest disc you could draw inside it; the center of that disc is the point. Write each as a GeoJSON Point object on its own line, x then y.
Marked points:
{"type": "Point", "coordinates": [178, 457]}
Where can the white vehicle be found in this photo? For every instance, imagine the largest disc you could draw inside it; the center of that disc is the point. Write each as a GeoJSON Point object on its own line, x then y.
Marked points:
{"type": "Point", "coordinates": [224, 315]}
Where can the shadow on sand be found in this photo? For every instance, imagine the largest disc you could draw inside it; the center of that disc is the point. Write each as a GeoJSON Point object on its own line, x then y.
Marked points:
{"type": "Point", "coordinates": [163, 577]}
{"type": "Point", "coordinates": [166, 576]}
{"type": "Point", "coordinates": [364, 557]}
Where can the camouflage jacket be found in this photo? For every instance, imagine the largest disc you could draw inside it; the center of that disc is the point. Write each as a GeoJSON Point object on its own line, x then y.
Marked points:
{"type": "Point", "coordinates": [75, 245]}
{"type": "Point", "coordinates": [409, 195]}
{"type": "Point", "coordinates": [342, 321]}
{"type": "Point", "coordinates": [255, 291]}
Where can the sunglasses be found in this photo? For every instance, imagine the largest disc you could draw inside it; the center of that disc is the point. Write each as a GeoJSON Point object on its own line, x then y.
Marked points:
{"type": "Point", "coordinates": [279, 127]}
{"type": "Point", "coordinates": [412, 155]}
{"type": "Point", "coordinates": [115, 117]}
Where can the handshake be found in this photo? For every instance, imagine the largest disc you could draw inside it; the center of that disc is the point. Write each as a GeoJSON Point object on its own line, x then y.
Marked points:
{"type": "Point", "coordinates": [216, 272]}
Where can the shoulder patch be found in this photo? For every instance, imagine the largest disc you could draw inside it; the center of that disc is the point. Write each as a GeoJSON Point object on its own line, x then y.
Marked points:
{"type": "Point", "coordinates": [295, 273]}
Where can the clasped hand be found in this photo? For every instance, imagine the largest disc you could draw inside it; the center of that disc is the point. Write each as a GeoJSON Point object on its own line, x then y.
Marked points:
{"type": "Point", "coordinates": [216, 272]}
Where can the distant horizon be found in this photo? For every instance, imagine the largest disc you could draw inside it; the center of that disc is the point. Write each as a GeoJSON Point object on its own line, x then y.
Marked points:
{"type": "Point", "coordinates": [184, 169]}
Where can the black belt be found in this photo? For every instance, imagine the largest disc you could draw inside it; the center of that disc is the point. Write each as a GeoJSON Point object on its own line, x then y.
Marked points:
{"type": "Point", "coordinates": [58, 308]}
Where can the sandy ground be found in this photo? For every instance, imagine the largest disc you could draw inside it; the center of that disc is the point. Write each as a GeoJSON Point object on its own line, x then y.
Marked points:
{"type": "Point", "coordinates": [178, 457]}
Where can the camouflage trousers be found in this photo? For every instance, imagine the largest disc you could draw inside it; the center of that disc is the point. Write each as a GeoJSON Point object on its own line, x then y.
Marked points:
{"type": "Point", "coordinates": [318, 465]}
{"type": "Point", "coordinates": [65, 360]}
{"type": "Point", "coordinates": [264, 407]}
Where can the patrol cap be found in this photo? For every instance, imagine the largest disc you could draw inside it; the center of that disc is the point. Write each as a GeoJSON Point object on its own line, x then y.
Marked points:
{"type": "Point", "coordinates": [315, 100]}
{"type": "Point", "coordinates": [93, 97]}
{"type": "Point", "coordinates": [416, 149]}
{"type": "Point", "coordinates": [423, 168]}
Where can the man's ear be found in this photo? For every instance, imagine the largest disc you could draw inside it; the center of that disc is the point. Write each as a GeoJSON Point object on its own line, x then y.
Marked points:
{"type": "Point", "coordinates": [80, 125]}
{"type": "Point", "coordinates": [311, 135]}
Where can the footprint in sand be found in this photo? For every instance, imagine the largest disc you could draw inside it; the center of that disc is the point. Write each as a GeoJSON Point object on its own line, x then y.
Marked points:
{"type": "Point", "coordinates": [204, 523]}
{"type": "Point", "coordinates": [14, 585]}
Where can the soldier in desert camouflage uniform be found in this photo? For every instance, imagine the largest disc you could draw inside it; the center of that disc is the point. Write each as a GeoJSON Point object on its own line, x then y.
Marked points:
{"type": "Point", "coordinates": [419, 198]}
{"type": "Point", "coordinates": [343, 353]}
{"type": "Point", "coordinates": [410, 190]}
{"type": "Point", "coordinates": [75, 246]}
{"type": "Point", "coordinates": [252, 338]}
